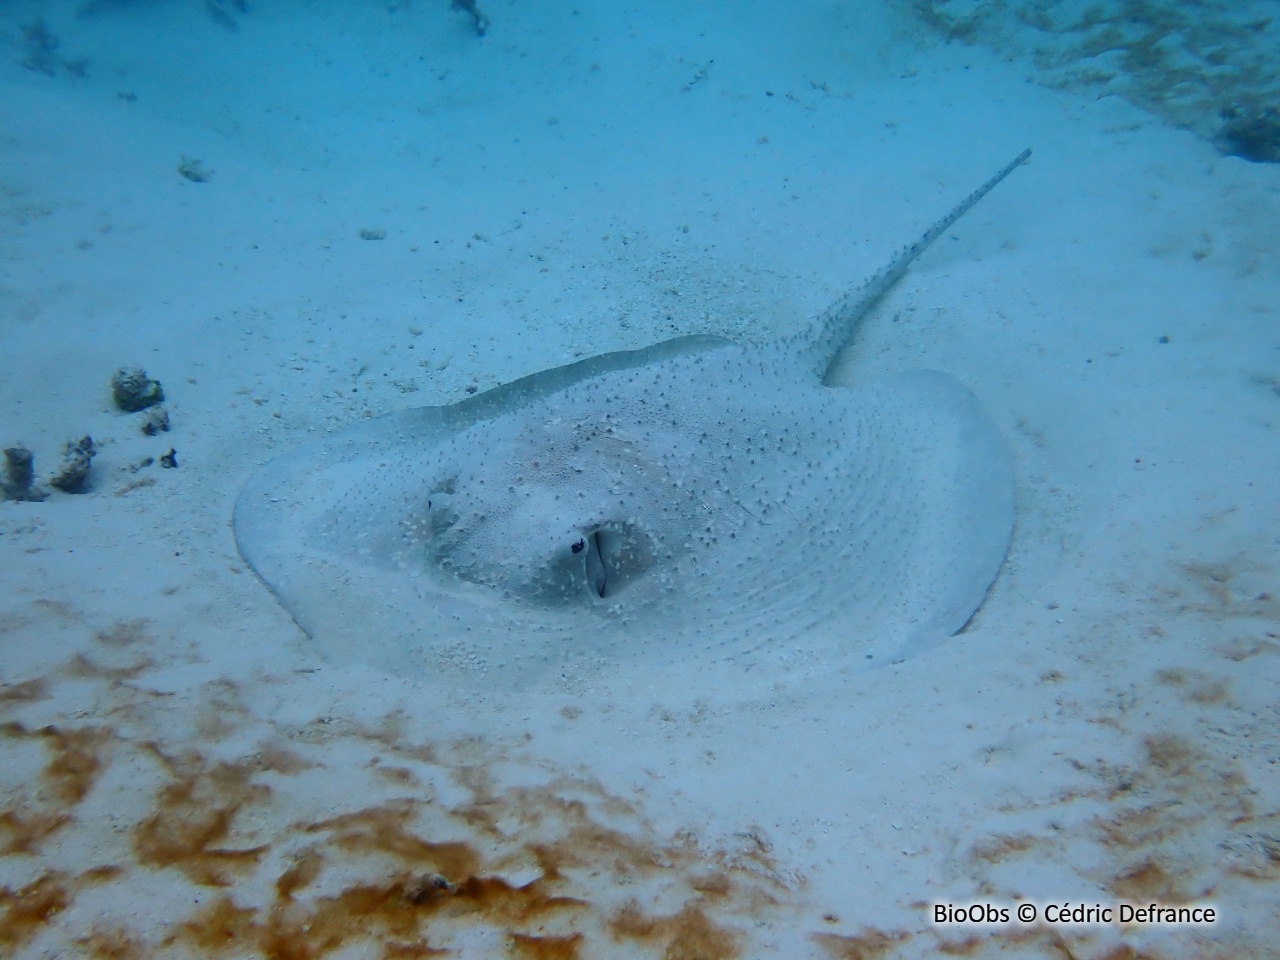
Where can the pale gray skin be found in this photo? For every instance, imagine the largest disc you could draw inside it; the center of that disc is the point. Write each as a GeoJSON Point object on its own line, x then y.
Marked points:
{"type": "Point", "coordinates": [696, 501]}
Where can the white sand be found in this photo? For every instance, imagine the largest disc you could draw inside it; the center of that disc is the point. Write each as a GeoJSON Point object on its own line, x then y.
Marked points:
{"type": "Point", "coordinates": [582, 180]}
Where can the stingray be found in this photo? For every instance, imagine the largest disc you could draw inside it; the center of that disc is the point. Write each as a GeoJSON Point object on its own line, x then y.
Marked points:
{"type": "Point", "coordinates": [694, 503]}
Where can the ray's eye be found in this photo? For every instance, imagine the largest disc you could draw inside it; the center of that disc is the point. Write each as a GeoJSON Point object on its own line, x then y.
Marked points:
{"type": "Point", "coordinates": [579, 546]}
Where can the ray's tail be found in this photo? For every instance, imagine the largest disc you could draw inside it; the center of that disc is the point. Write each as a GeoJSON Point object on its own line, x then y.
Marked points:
{"type": "Point", "coordinates": [835, 327]}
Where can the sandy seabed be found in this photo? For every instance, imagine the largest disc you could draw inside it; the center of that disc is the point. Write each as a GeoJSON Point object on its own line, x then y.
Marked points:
{"type": "Point", "coordinates": [380, 210]}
